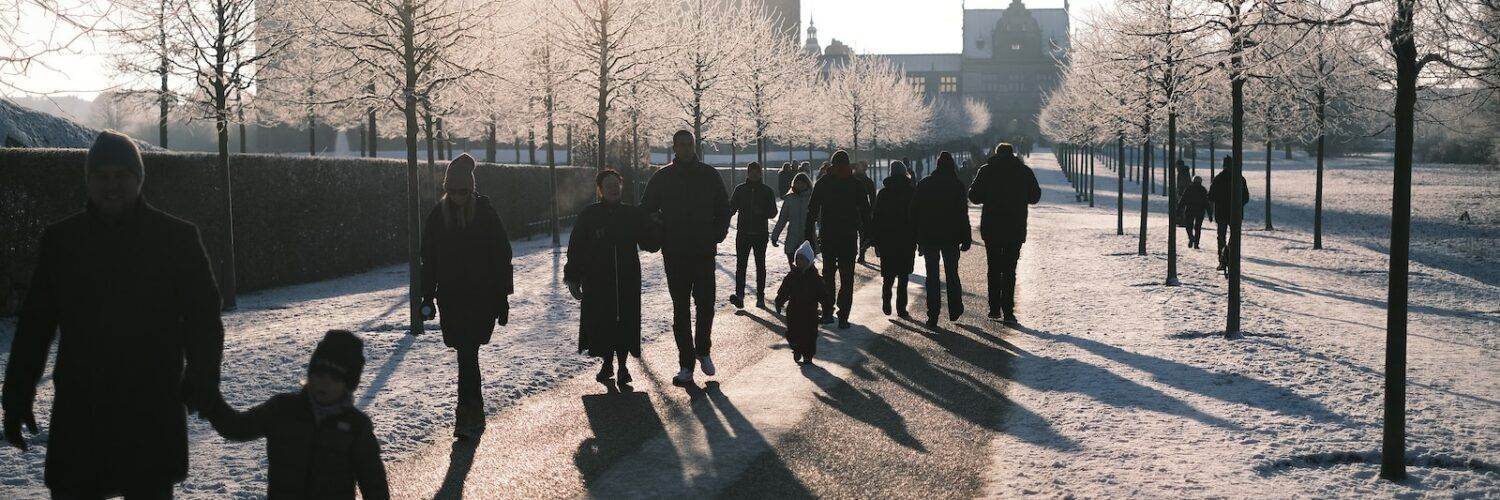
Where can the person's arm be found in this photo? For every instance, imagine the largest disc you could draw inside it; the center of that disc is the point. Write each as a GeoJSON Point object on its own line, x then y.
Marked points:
{"type": "Point", "coordinates": [650, 197]}
{"type": "Point", "coordinates": [770, 202]}
{"type": "Point", "coordinates": [720, 207]}
{"type": "Point", "coordinates": [781, 291]}
{"type": "Point", "coordinates": [976, 189]}
{"type": "Point", "coordinates": [428, 253]}
{"type": "Point", "coordinates": [648, 234]}
{"type": "Point", "coordinates": [1034, 195]}
{"type": "Point", "coordinates": [573, 268]}
{"type": "Point", "coordinates": [248, 425]}
{"type": "Point", "coordinates": [863, 203]}
{"type": "Point", "coordinates": [781, 221]}
{"type": "Point", "coordinates": [735, 199]}
{"type": "Point", "coordinates": [202, 329]}
{"type": "Point", "coordinates": [814, 209]}
{"type": "Point", "coordinates": [369, 471]}
{"type": "Point", "coordinates": [503, 254]}
{"type": "Point", "coordinates": [35, 330]}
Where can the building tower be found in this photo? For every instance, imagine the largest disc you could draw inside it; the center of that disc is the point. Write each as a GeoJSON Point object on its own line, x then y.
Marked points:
{"type": "Point", "coordinates": [812, 47]}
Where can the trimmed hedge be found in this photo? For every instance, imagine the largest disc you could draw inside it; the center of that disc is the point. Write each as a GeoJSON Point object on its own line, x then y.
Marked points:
{"type": "Point", "coordinates": [296, 219]}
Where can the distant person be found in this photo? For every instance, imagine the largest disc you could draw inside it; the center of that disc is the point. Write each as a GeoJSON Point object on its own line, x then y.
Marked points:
{"type": "Point", "coordinates": [1184, 179]}
{"type": "Point", "coordinates": [793, 217]}
{"type": "Point", "coordinates": [687, 198]}
{"type": "Point", "coordinates": [941, 219]}
{"type": "Point", "coordinates": [1195, 204]}
{"type": "Point", "coordinates": [1005, 186]}
{"type": "Point", "coordinates": [840, 205]}
{"type": "Point", "coordinates": [467, 279]}
{"type": "Point", "coordinates": [318, 445]}
{"type": "Point", "coordinates": [1226, 216]}
{"type": "Point", "coordinates": [131, 294]}
{"type": "Point", "coordinates": [802, 292]}
{"type": "Point", "coordinates": [603, 272]}
{"type": "Point", "coordinates": [755, 204]}
{"type": "Point", "coordinates": [784, 178]}
{"type": "Point", "coordinates": [894, 237]}
{"type": "Point", "coordinates": [862, 173]}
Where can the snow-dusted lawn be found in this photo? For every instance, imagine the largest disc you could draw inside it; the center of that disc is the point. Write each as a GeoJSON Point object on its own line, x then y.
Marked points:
{"type": "Point", "coordinates": [1135, 393]}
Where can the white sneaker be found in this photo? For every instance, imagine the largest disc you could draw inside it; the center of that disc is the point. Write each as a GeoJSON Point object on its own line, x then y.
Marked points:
{"type": "Point", "coordinates": [708, 365]}
{"type": "Point", "coordinates": [684, 377]}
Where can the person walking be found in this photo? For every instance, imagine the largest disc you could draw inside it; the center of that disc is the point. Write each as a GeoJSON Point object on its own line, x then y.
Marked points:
{"type": "Point", "coordinates": [802, 291]}
{"type": "Point", "coordinates": [793, 217]}
{"type": "Point", "coordinates": [840, 205]}
{"type": "Point", "coordinates": [687, 199]}
{"type": "Point", "coordinates": [130, 290]}
{"type": "Point", "coordinates": [467, 279]}
{"type": "Point", "coordinates": [1224, 214]}
{"type": "Point", "coordinates": [603, 272]}
{"type": "Point", "coordinates": [784, 178]}
{"type": "Point", "coordinates": [755, 204]}
{"type": "Point", "coordinates": [1195, 204]}
{"type": "Point", "coordinates": [1005, 186]}
{"type": "Point", "coordinates": [940, 217]}
{"type": "Point", "coordinates": [894, 238]}
{"type": "Point", "coordinates": [862, 174]}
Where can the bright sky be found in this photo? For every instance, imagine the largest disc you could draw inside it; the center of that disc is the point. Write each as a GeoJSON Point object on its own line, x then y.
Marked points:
{"type": "Point", "coordinates": [869, 26]}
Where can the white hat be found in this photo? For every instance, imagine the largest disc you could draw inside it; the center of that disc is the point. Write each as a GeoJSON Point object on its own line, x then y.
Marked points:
{"type": "Point", "coordinates": [806, 251]}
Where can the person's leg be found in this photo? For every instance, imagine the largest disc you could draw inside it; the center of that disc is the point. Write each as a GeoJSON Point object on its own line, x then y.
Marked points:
{"type": "Point", "coordinates": [468, 376]}
{"type": "Point", "coordinates": [846, 286]}
{"type": "Point", "coordinates": [680, 286]}
{"type": "Point", "coordinates": [759, 248]}
{"type": "Point", "coordinates": [901, 294]}
{"type": "Point", "coordinates": [829, 269]}
{"type": "Point", "coordinates": [885, 293]}
{"type": "Point", "coordinates": [160, 491]}
{"type": "Point", "coordinates": [933, 284]}
{"type": "Point", "coordinates": [742, 244]}
{"type": "Point", "coordinates": [75, 492]}
{"type": "Point", "coordinates": [955, 286]}
{"type": "Point", "coordinates": [1223, 230]}
{"type": "Point", "coordinates": [1008, 264]}
{"type": "Point", "coordinates": [994, 277]}
{"type": "Point", "coordinates": [704, 295]}
{"type": "Point", "coordinates": [621, 356]}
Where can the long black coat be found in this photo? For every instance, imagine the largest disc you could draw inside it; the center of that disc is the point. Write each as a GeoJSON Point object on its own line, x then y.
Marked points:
{"type": "Point", "coordinates": [1219, 192]}
{"type": "Point", "coordinates": [309, 459]}
{"type": "Point", "coordinates": [842, 206]}
{"type": "Point", "coordinates": [1005, 186]}
{"type": "Point", "coordinates": [756, 204]}
{"type": "Point", "coordinates": [939, 213]}
{"type": "Point", "coordinates": [468, 271]}
{"type": "Point", "coordinates": [1195, 200]}
{"type": "Point", "coordinates": [892, 230]}
{"type": "Point", "coordinates": [802, 292]}
{"type": "Point", "coordinates": [689, 197]}
{"type": "Point", "coordinates": [138, 312]}
{"type": "Point", "coordinates": [604, 258]}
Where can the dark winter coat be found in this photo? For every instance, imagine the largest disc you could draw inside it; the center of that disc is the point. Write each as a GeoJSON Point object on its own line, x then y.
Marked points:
{"type": "Point", "coordinates": [784, 181]}
{"type": "Point", "coordinates": [939, 214]}
{"type": "Point", "coordinates": [840, 203]}
{"type": "Point", "coordinates": [604, 258]}
{"type": "Point", "coordinates": [802, 292]}
{"type": "Point", "coordinates": [468, 270]}
{"type": "Point", "coordinates": [892, 232]}
{"type": "Point", "coordinates": [310, 458]}
{"type": "Point", "coordinates": [1195, 200]}
{"type": "Point", "coordinates": [1219, 192]}
{"type": "Point", "coordinates": [756, 204]}
{"type": "Point", "coordinates": [869, 185]}
{"type": "Point", "coordinates": [138, 312]}
{"type": "Point", "coordinates": [689, 198]}
{"type": "Point", "coordinates": [1006, 187]}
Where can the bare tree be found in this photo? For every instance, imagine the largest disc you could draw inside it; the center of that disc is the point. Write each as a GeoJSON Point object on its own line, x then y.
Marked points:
{"type": "Point", "coordinates": [768, 74]}
{"type": "Point", "coordinates": [51, 27]}
{"type": "Point", "coordinates": [620, 44]}
{"type": "Point", "coordinates": [150, 43]}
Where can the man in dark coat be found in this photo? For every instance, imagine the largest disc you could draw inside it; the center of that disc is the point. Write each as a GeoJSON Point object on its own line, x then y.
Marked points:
{"type": "Point", "coordinates": [755, 204]}
{"type": "Point", "coordinates": [894, 237]}
{"type": "Point", "coordinates": [862, 173]}
{"type": "Point", "coordinates": [687, 199]}
{"type": "Point", "coordinates": [318, 445]}
{"type": "Point", "coordinates": [839, 202]}
{"type": "Point", "coordinates": [941, 219]}
{"type": "Point", "coordinates": [1006, 187]}
{"type": "Point", "coordinates": [467, 279]}
{"type": "Point", "coordinates": [1225, 213]}
{"type": "Point", "coordinates": [1195, 204]}
{"type": "Point", "coordinates": [784, 179]}
{"type": "Point", "coordinates": [132, 293]}
{"type": "Point", "coordinates": [604, 272]}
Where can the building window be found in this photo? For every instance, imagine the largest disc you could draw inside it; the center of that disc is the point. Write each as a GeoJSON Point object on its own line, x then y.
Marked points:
{"type": "Point", "coordinates": [918, 82]}
{"type": "Point", "coordinates": [948, 84]}
{"type": "Point", "coordinates": [979, 44]}
{"type": "Point", "coordinates": [1015, 46]}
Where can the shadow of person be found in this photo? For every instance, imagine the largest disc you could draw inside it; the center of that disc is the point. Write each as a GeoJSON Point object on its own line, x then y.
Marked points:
{"type": "Point", "coordinates": [460, 460]}
{"type": "Point", "coordinates": [862, 405]}
{"type": "Point", "coordinates": [621, 422]}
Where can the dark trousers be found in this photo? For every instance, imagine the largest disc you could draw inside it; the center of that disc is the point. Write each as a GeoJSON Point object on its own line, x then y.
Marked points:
{"type": "Point", "coordinates": [1194, 229]}
{"type": "Point", "coordinates": [899, 283]}
{"type": "Point", "coordinates": [934, 284]}
{"type": "Point", "coordinates": [744, 246]}
{"type": "Point", "coordinates": [1223, 230]}
{"type": "Point", "coordinates": [468, 376]}
{"type": "Point", "coordinates": [135, 492]}
{"type": "Point", "coordinates": [1002, 275]}
{"type": "Point", "coordinates": [838, 259]}
{"type": "Point", "coordinates": [690, 281]}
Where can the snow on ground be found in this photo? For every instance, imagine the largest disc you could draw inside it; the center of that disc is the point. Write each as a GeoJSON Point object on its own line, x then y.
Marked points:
{"type": "Point", "coordinates": [1136, 393]}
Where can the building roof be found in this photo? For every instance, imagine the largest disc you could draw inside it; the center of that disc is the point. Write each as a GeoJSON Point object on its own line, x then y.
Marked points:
{"type": "Point", "coordinates": [926, 62]}
{"type": "Point", "coordinates": [979, 26]}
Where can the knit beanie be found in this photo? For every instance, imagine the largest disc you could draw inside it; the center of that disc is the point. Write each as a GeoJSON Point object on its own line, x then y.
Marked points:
{"type": "Point", "coordinates": [840, 162]}
{"type": "Point", "coordinates": [461, 173]}
{"type": "Point", "coordinates": [898, 169]}
{"type": "Point", "coordinates": [114, 148]}
{"type": "Point", "coordinates": [340, 354]}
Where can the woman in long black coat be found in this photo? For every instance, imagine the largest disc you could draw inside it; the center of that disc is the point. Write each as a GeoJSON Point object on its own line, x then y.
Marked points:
{"type": "Point", "coordinates": [604, 272]}
{"type": "Point", "coordinates": [467, 279]}
{"type": "Point", "coordinates": [892, 236]}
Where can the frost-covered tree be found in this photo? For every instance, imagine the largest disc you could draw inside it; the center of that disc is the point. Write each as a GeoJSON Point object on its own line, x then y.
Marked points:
{"type": "Point", "coordinates": [620, 44]}
{"type": "Point", "coordinates": [148, 40]}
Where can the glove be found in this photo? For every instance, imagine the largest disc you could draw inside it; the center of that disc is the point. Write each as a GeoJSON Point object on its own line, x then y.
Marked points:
{"type": "Point", "coordinates": [198, 399]}
{"type": "Point", "coordinates": [964, 247]}
{"type": "Point", "coordinates": [576, 289]}
{"type": "Point", "coordinates": [429, 309]}
{"type": "Point", "coordinates": [775, 244]}
{"type": "Point", "coordinates": [13, 420]}
{"type": "Point", "coordinates": [504, 313]}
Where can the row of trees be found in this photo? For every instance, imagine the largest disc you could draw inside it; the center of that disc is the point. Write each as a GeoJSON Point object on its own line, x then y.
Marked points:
{"type": "Point", "coordinates": [1204, 71]}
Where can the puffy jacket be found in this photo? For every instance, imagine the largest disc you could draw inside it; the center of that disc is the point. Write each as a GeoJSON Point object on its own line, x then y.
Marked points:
{"type": "Point", "coordinates": [939, 213]}
{"type": "Point", "coordinates": [793, 218]}
{"type": "Point", "coordinates": [1006, 187]}
{"type": "Point", "coordinates": [308, 458]}
{"type": "Point", "coordinates": [1219, 192]}
{"type": "Point", "coordinates": [841, 204]}
{"type": "Point", "coordinates": [689, 199]}
{"type": "Point", "coordinates": [755, 203]}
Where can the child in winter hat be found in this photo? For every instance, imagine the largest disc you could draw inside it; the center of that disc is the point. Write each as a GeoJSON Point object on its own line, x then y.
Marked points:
{"type": "Point", "coordinates": [318, 445]}
{"type": "Point", "coordinates": [802, 293]}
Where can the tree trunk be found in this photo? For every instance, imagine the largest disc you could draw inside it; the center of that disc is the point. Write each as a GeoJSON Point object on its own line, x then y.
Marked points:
{"type": "Point", "coordinates": [426, 177]}
{"type": "Point", "coordinates": [1393, 439]}
{"type": "Point", "coordinates": [312, 136]}
{"type": "Point", "coordinates": [490, 144]}
{"type": "Point", "coordinates": [1170, 172]}
{"type": "Point", "coordinates": [413, 194]}
{"type": "Point", "coordinates": [531, 146]}
{"type": "Point", "coordinates": [1318, 190]}
{"type": "Point", "coordinates": [1120, 186]}
{"type": "Point", "coordinates": [1235, 168]}
{"type": "Point", "coordinates": [1145, 189]}
{"type": "Point", "coordinates": [552, 171]}
{"type": "Point", "coordinates": [227, 271]}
